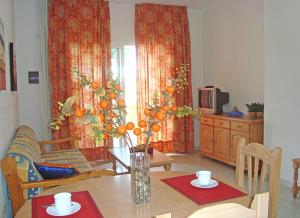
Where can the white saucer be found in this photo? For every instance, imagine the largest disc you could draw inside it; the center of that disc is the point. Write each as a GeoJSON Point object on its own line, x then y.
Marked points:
{"type": "Point", "coordinates": [74, 208]}
{"type": "Point", "coordinates": [213, 183]}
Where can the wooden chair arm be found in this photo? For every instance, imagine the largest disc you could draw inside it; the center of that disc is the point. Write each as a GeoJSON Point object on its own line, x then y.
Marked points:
{"type": "Point", "coordinates": [99, 173]}
{"type": "Point", "coordinates": [55, 182]}
{"type": "Point", "coordinates": [56, 141]}
{"type": "Point", "coordinates": [62, 181]}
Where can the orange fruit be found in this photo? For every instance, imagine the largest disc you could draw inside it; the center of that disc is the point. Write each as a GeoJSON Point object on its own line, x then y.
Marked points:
{"type": "Point", "coordinates": [79, 113]}
{"type": "Point", "coordinates": [106, 136]}
{"type": "Point", "coordinates": [101, 117]}
{"type": "Point", "coordinates": [95, 85]}
{"type": "Point", "coordinates": [170, 89]}
{"type": "Point", "coordinates": [103, 104]}
{"type": "Point", "coordinates": [137, 131]}
{"type": "Point", "coordinates": [112, 114]}
{"type": "Point", "coordinates": [174, 108]}
{"type": "Point", "coordinates": [112, 95]}
{"type": "Point", "coordinates": [93, 111]}
{"type": "Point", "coordinates": [130, 125]}
{"type": "Point", "coordinates": [122, 129]}
{"type": "Point", "coordinates": [142, 123]}
{"type": "Point", "coordinates": [108, 127]}
{"type": "Point", "coordinates": [165, 108]}
{"type": "Point", "coordinates": [147, 111]}
{"type": "Point", "coordinates": [160, 115]}
{"type": "Point", "coordinates": [121, 102]}
{"type": "Point", "coordinates": [117, 87]}
{"type": "Point", "coordinates": [155, 127]}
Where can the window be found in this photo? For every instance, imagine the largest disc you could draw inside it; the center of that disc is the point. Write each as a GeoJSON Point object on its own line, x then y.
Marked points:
{"type": "Point", "coordinates": [123, 69]}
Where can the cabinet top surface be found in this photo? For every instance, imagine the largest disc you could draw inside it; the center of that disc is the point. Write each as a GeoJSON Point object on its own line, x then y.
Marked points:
{"type": "Point", "coordinates": [241, 119]}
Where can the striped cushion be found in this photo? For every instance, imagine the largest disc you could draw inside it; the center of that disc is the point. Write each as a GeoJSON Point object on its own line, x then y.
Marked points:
{"type": "Point", "coordinates": [25, 145]}
{"type": "Point", "coordinates": [73, 157]}
{"type": "Point", "coordinates": [27, 133]}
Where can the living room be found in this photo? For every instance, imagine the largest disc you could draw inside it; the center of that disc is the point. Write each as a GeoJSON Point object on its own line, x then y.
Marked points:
{"type": "Point", "coordinates": [246, 48]}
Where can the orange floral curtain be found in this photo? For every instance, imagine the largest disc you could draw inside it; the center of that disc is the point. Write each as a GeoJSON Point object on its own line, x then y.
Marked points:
{"type": "Point", "coordinates": [79, 38]}
{"type": "Point", "coordinates": [163, 43]}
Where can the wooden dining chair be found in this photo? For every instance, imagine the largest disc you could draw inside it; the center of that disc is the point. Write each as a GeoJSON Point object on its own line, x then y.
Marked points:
{"type": "Point", "coordinates": [16, 186]}
{"type": "Point", "coordinates": [265, 162]}
{"type": "Point", "coordinates": [259, 209]}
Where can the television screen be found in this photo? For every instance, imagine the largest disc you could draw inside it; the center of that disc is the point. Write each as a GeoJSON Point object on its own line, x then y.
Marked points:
{"type": "Point", "coordinates": [206, 99]}
{"type": "Point", "coordinates": [211, 100]}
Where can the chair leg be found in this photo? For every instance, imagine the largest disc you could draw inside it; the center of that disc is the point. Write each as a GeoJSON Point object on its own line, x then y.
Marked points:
{"type": "Point", "coordinates": [295, 185]}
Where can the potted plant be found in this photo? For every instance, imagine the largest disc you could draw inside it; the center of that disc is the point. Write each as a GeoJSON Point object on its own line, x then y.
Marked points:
{"type": "Point", "coordinates": [107, 120]}
{"type": "Point", "coordinates": [251, 110]}
{"type": "Point", "coordinates": [259, 110]}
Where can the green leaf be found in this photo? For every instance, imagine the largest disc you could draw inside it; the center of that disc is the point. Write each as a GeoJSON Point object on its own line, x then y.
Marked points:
{"type": "Point", "coordinates": [186, 111]}
{"type": "Point", "coordinates": [67, 106]}
{"type": "Point", "coordinates": [101, 92]}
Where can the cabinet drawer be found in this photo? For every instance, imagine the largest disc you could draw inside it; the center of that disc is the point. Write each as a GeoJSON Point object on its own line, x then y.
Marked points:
{"type": "Point", "coordinates": [244, 127]}
{"type": "Point", "coordinates": [206, 120]}
{"type": "Point", "coordinates": [221, 123]}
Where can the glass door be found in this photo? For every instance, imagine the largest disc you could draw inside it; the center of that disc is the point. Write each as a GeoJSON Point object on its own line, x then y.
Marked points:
{"type": "Point", "coordinates": [123, 69]}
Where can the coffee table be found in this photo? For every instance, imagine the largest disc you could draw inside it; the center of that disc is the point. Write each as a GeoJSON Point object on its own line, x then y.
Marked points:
{"type": "Point", "coordinates": [122, 155]}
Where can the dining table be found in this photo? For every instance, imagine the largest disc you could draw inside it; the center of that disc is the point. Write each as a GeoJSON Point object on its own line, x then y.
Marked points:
{"type": "Point", "coordinates": [112, 196]}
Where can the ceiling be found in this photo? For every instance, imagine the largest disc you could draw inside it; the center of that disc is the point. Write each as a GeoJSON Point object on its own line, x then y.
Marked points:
{"type": "Point", "coordinates": [189, 3]}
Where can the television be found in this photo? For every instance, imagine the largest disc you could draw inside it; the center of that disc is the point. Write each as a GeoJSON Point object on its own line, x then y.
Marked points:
{"type": "Point", "coordinates": [211, 100]}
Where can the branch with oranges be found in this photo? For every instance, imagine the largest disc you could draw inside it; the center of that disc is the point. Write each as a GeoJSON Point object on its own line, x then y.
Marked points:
{"type": "Point", "coordinates": [107, 117]}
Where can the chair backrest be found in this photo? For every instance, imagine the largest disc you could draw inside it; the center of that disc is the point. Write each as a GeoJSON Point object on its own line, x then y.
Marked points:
{"type": "Point", "coordinates": [261, 159]}
{"type": "Point", "coordinates": [259, 209]}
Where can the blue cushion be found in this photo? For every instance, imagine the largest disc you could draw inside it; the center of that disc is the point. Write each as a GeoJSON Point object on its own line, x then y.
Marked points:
{"type": "Point", "coordinates": [235, 114]}
{"type": "Point", "coordinates": [55, 171]}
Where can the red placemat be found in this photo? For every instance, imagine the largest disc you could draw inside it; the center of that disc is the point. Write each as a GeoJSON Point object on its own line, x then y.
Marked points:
{"type": "Point", "coordinates": [88, 206]}
{"type": "Point", "coordinates": [200, 195]}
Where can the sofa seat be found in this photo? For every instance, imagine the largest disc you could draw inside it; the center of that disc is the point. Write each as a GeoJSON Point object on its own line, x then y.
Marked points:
{"type": "Point", "coordinates": [73, 156]}
{"type": "Point", "coordinates": [25, 149]}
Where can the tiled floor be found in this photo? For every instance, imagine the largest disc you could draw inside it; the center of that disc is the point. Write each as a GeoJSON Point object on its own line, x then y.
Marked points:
{"type": "Point", "coordinates": [288, 207]}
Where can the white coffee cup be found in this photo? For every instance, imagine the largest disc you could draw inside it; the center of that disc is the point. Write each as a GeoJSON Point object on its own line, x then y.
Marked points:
{"type": "Point", "coordinates": [204, 177]}
{"type": "Point", "coordinates": [63, 203]}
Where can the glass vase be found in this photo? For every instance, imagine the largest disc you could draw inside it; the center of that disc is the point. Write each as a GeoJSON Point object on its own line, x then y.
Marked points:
{"type": "Point", "coordinates": [140, 178]}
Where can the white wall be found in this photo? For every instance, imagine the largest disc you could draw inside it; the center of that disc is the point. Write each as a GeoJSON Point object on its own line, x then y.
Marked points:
{"type": "Point", "coordinates": [8, 100]}
{"type": "Point", "coordinates": [233, 49]}
{"type": "Point", "coordinates": [122, 33]}
{"type": "Point", "coordinates": [122, 24]}
{"type": "Point", "coordinates": [30, 102]}
{"type": "Point", "coordinates": [197, 64]}
{"type": "Point", "coordinates": [282, 80]}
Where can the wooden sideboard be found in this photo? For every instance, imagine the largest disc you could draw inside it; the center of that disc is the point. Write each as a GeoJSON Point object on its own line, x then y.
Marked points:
{"type": "Point", "coordinates": [219, 135]}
